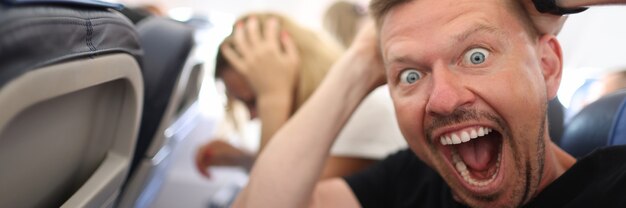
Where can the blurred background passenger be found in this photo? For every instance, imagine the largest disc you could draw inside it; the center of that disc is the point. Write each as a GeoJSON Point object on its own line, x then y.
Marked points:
{"type": "Point", "coordinates": [257, 64]}
{"type": "Point", "coordinates": [595, 88]}
{"type": "Point", "coordinates": [343, 20]}
{"type": "Point", "coordinates": [607, 84]}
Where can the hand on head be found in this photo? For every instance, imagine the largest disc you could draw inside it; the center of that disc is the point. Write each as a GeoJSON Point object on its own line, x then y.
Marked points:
{"type": "Point", "coordinates": [267, 57]}
{"type": "Point", "coordinates": [366, 45]}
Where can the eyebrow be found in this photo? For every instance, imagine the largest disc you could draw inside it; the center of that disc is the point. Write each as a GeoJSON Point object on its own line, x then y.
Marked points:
{"type": "Point", "coordinates": [459, 38]}
{"type": "Point", "coordinates": [477, 29]}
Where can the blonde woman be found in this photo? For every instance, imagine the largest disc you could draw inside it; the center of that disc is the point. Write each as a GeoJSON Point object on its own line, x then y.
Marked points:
{"type": "Point", "coordinates": [272, 66]}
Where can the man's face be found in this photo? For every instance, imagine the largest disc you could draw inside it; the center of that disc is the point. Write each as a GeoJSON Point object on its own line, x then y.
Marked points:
{"type": "Point", "coordinates": [469, 96]}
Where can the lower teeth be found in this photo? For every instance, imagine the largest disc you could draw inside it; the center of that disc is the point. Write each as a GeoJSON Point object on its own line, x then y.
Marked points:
{"type": "Point", "coordinates": [462, 168]}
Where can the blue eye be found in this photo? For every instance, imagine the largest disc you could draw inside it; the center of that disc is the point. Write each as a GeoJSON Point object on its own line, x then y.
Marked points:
{"type": "Point", "coordinates": [410, 76]}
{"type": "Point", "coordinates": [476, 56]}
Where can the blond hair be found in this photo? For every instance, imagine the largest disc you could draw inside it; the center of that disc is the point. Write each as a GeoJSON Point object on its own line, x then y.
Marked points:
{"type": "Point", "coordinates": [316, 53]}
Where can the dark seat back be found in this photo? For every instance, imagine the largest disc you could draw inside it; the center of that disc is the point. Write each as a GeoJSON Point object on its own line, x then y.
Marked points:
{"type": "Point", "coordinates": [556, 116]}
{"type": "Point", "coordinates": [618, 131]}
{"type": "Point", "coordinates": [590, 128]}
{"type": "Point", "coordinates": [168, 46]}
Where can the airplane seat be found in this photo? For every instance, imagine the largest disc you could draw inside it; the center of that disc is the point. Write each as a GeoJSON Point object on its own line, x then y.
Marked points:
{"type": "Point", "coordinates": [579, 99]}
{"type": "Point", "coordinates": [168, 48]}
{"type": "Point", "coordinates": [192, 89]}
{"type": "Point", "coordinates": [556, 116]}
{"type": "Point", "coordinates": [618, 130]}
{"type": "Point", "coordinates": [590, 128]}
{"type": "Point", "coordinates": [71, 93]}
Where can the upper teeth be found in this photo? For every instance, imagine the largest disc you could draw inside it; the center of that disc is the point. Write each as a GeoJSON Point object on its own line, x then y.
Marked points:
{"type": "Point", "coordinates": [464, 135]}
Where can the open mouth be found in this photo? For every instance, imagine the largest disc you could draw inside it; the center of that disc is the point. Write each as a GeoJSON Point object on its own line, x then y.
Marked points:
{"type": "Point", "coordinates": [475, 153]}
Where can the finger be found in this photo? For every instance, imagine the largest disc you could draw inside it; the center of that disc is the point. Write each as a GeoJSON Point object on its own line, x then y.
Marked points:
{"type": "Point", "coordinates": [206, 158]}
{"type": "Point", "coordinates": [240, 41]}
{"type": "Point", "coordinates": [291, 50]}
{"type": "Point", "coordinates": [233, 58]}
{"type": "Point", "coordinates": [272, 31]}
{"type": "Point", "coordinates": [252, 31]}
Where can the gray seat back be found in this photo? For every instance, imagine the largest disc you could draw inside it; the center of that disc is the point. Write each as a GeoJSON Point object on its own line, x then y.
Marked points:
{"type": "Point", "coordinates": [71, 94]}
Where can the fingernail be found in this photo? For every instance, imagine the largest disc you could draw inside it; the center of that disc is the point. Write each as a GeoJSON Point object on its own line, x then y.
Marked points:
{"type": "Point", "coordinates": [284, 34]}
{"type": "Point", "coordinates": [239, 25]}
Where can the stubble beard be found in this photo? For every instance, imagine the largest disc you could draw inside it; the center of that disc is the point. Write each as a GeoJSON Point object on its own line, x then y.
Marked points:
{"type": "Point", "coordinates": [531, 178]}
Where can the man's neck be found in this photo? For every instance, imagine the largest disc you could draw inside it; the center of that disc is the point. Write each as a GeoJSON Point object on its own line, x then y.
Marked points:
{"type": "Point", "coordinates": [557, 161]}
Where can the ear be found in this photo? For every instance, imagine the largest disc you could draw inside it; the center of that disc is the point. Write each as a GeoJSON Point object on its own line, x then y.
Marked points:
{"type": "Point", "coordinates": [551, 61]}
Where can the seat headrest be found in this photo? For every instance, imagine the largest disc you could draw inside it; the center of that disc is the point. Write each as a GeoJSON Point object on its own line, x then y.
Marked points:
{"type": "Point", "coordinates": [80, 3]}
{"type": "Point", "coordinates": [590, 128]}
{"type": "Point", "coordinates": [39, 35]}
{"type": "Point", "coordinates": [167, 45]}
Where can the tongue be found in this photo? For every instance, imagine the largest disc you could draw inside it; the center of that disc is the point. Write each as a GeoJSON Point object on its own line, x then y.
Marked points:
{"type": "Point", "coordinates": [477, 153]}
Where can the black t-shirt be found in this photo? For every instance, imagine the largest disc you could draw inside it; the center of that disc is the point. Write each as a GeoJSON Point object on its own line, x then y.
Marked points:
{"type": "Point", "coordinates": [402, 180]}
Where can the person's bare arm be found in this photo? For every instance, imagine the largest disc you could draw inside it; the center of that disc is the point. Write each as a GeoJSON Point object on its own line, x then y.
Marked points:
{"type": "Point", "coordinates": [269, 62]}
{"type": "Point", "coordinates": [286, 173]}
{"type": "Point", "coordinates": [333, 192]}
{"type": "Point", "coordinates": [260, 62]}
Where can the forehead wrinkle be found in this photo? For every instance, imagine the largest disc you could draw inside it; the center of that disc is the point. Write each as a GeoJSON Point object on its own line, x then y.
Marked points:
{"type": "Point", "coordinates": [405, 32]}
{"type": "Point", "coordinates": [394, 59]}
{"type": "Point", "coordinates": [477, 29]}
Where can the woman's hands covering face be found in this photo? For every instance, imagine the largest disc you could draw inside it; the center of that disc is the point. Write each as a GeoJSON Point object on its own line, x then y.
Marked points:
{"type": "Point", "coordinates": [268, 58]}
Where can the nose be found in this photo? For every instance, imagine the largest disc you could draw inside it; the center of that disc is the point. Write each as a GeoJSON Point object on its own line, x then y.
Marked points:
{"type": "Point", "coordinates": [448, 92]}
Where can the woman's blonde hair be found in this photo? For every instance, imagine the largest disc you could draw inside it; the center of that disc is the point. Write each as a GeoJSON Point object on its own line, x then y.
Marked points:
{"type": "Point", "coordinates": [317, 54]}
